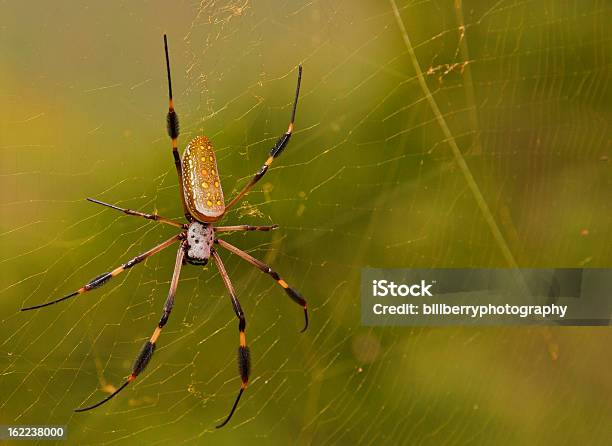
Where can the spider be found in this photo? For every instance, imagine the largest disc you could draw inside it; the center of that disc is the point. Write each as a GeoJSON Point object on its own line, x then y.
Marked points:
{"type": "Point", "coordinates": [203, 205]}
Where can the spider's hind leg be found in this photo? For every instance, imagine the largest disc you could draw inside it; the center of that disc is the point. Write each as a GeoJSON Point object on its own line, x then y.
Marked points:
{"type": "Point", "coordinates": [276, 150]}
{"type": "Point", "coordinates": [244, 228]}
{"type": "Point", "coordinates": [153, 217]}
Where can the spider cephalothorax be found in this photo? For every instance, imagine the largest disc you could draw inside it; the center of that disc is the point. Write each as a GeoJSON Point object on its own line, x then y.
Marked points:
{"type": "Point", "coordinates": [203, 204]}
{"type": "Point", "coordinates": [199, 242]}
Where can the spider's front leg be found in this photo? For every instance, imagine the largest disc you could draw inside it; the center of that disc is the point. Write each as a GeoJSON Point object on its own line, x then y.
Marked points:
{"type": "Point", "coordinates": [146, 353]}
{"type": "Point", "coordinates": [103, 279]}
{"type": "Point", "coordinates": [244, 359]}
{"type": "Point", "coordinates": [291, 292]}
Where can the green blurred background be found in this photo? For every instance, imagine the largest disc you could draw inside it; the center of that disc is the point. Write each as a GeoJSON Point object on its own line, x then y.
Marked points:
{"type": "Point", "coordinates": [369, 179]}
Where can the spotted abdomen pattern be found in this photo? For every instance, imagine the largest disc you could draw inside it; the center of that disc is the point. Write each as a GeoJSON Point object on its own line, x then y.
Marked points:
{"type": "Point", "coordinates": [201, 183]}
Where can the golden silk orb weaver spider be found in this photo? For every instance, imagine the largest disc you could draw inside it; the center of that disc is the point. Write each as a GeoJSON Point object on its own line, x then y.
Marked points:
{"type": "Point", "coordinates": [203, 205]}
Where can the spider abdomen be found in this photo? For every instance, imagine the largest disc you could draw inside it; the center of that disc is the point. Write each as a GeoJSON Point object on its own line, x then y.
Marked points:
{"type": "Point", "coordinates": [200, 238]}
{"type": "Point", "coordinates": [201, 182]}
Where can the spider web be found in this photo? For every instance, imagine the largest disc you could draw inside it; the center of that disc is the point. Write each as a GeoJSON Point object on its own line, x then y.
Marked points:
{"type": "Point", "coordinates": [499, 157]}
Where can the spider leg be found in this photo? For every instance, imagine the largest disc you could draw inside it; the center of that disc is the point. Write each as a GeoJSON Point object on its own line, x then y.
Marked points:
{"type": "Point", "coordinates": [293, 294]}
{"type": "Point", "coordinates": [244, 228]}
{"type": "Point", "coordinates": [275, 151]}
{"type": "Point", "coordinates": [172, 122]}
{"type": "Point", "coordinates": [153, 217]}
{"type": "Point", "coordinates": [102, 279]}
{"type": "Point", "coordinates": [244, 359]}
{"type": "Point", "coordinates": [146, 353]}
